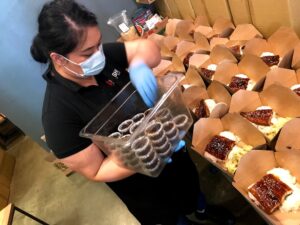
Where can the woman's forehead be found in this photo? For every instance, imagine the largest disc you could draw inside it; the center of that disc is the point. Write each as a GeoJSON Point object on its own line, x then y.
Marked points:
{"type": "Point", "coordinates": [91, 37]}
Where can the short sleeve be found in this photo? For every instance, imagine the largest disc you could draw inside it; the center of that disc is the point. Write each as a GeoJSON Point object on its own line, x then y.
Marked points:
{"type": "Point", "coordinates": [116, 53]}
{"type": "Point", "coordinates": [62, 134]}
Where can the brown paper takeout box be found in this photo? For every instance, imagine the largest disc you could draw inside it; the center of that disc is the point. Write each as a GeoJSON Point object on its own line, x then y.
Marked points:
{"type": "Point", "coordinates": [250, 65]}
{"type": "Point", "coordinates": [248, 174]}
{"type": "Point", "coordinates": [281, 43]}
{"type": "Point", "coordinates": [166, 66]}
{"type": "Point", "coordinates": [215, 91]}
{"type": "Point", "coordinates": [281, 76]}
{"type": "Point", "coordinates": [281, 99]}
{"type": "Point", "coordinates": [206, 128]}
{"type": "Point", "coordinates": [218, 55]}
{"type": "Point", "coordinates": [245, 32]}
{"type": "Point", "coordinates": [289, 137]}
{"type": "Point", "coordinates": [192, 78]}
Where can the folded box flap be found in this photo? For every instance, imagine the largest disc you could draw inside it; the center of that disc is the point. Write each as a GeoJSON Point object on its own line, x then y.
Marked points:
{"type": "Point", "coordinates": [192, 77]}
{"type": "Point", "coordinates": [283, 40]}
{"type": "Point", "coordinates": [280, 76]}
{"type": "Point", "coordinates": [296, 57]}
{"type": "Point", "coordinates": [197, 60]}
{"type": "Point", "coordinates": [257, 46]}
{"type": "Point", "coordinates": [171, 27]}
{"type": "Point", "coordinates": [185, 47]}
{"type": "Point", "coordinates": [289, 138]}
{"type": "Point", "coordinates": [244, 101]}
{"type": "Point", "coordinates": [219, 93]}
{"type": "Point", "coordinates": [225, 71]}
{"type": "Point", "coordinates": [204, 130]}
{"type": "Point", "coordinates": [220, 54]}
{"type": "Point", "coordinates": [245, 32]}
{"type": "Point", "coordinates": [201, 42]}
{"type": "Point", "coordinates": [193, 95]}
{"type": "Point", "coordinates": [223, 26]}
{"type": "Point", "coordinates": [253, 67]}
{"type": "Point", "coordinates": [218, 41]}
{"type": "Point", "coordinates": [243, 129]}
{"type": "Point", "coordinates": [282, 100]}
{"type": "Point", "coordinates": [184, 30]}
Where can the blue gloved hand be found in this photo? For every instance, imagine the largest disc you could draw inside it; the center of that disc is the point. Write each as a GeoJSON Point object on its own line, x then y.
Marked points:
{"type": "Point", "coordinates": [180, 145]}
{"type": "Point", "coordinates": [144, 81]}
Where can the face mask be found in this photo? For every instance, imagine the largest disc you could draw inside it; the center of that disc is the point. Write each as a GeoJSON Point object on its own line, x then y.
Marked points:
{"type": "Point", "coordinates": [91, 66]}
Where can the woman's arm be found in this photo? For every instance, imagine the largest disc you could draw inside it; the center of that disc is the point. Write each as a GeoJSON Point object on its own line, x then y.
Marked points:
{"type": "Point", "coordinates": [91, 163]}
{"type": "Point", "coordinates": [143, 50]}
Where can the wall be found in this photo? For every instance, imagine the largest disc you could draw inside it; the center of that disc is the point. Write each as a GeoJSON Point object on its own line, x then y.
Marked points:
{"type": "Point", "coordinates": [21, 85]}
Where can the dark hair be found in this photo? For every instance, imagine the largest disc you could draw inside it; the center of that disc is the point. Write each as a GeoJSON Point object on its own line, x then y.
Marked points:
{"type": "Point", "coordinates": [61, 27]}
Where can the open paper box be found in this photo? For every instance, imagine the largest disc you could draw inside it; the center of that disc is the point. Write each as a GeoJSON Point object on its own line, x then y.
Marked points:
{"type": "Point", "coordinates": [280, 43]}
{"type": "Point", "coordinates": [206, 128]}
{"type": "Point", "coordinates": [289, 137]}
{"type": "Point", "coordinates": [218, 55]}
{"type": "Point", "coordinates": [166, 66]}
{"type": "Point", "coordinates": [281, 76]}
{"type": "Point", "coordinates": [250, 65]}
{"type": "Point", "coordinates": [192, 78]}
{"type": "Point", "coordinates": [215, 91]}
{"type": "Point", "coordinates": [248, 174]}
{"type": "Point", "coordinates": [171, 27]}
{"type": "Point", "coordinates": [245, 32]}
{"type": "Point", "coordinates": [281, 99]}
{"type": "Point", "coordinates": [221, 28]}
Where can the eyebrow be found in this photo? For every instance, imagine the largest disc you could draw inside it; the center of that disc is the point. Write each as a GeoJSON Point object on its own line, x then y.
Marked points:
{"type": "Point", "coordinates": [89, 48]}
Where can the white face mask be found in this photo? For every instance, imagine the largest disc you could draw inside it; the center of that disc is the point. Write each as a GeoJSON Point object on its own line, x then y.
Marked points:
{"type": "Point", "coordinates": [91, 66]}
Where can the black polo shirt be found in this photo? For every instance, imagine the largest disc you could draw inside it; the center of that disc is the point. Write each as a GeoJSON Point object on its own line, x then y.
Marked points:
{"type": "Point", "coordinates": [68, 107]}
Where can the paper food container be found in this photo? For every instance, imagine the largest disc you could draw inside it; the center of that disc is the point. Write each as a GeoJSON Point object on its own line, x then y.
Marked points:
{"type": "Point", "coordinates": [218, 41]}
{"type": "Point", "coordinates": [296, 57]}
{"type": "Point", "coordinates": [289, 137]}
{"type": "Point", "coordinates": [215, 92]}
{"type": "Point", "coordinates": [250, 65]}
{"type": "Point", "coordinates": [185, 30]}
{"type": "Point", "coordinates": [248, 174]}
{"type": "Point", "coordinates": [221, 28]}
{"type": "Point", "coordinates": [145, 140]}
{"type": "Point", "coordinates": [192, 78]}
{"type": "Point", "coordinates": [171, 27]}
{"type": "Point", "coordinates": [218, 55]}
{"type": "Point", "coordinates": [281, 76]}
{"type": "Point", "coordinates": [245, 32]}
{"type": "Point", "coordinates": [282, 100]}
{"type": "Point", "coordinates": [201, 20]}
{"type": "Point", "coordinates": [205, 129]}
{"type": "Point", "coordinates": [275, 45]}
{"type": "Point", "coordinates": [166, 66]}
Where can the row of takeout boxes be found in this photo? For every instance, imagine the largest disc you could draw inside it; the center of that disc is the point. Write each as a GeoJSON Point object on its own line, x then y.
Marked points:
{"type": "Point", "coordinates": [211, 45]}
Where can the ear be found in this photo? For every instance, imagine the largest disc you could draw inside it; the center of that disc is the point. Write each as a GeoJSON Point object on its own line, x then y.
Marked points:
{"type": "Point", "coordinates": [57, 59]}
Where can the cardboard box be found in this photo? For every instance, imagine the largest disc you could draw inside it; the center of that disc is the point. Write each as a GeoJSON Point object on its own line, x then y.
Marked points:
{"type": "Point", "coordinates": [199, 9]}
{"type": "Point", "coordinates": [166, 66]}
{"type": "Point", "coordinates": [217, 9]}
{"type": "Point", "coordinates": [185, 29]}
{"type": "Point", "coordinates": [282, 100]}
{"type": "Point", "coordinates": [240, 11]}
{"type": "Point", "coordinates": [288, 138]}
{"type": "Point", "coordinates": [171, 27]}
{"type": "Point", "coordinates": [186, 9]}
{"type": "Point", "coordinates": [167, 8]}
{"type": "Point", "coordinates": [281, 76]}
{"type": "Point", "coordinates": [193, 78]}
{"type": "Point", "coordinates": [245, 32]}
{"type": "Point", "coordinates": [194, 94]}
{"type": "Point", "coordinates": [205, 129]}
{"type": "Point", "coordinates": [268, 17]}
{"type": "Point", "coordinates": [250, 65]}
{"type": "Point", "coordinates": [248, 174]}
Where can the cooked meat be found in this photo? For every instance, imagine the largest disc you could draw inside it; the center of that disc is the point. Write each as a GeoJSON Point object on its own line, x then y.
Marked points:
{"type": "Point", "coordinates": [186, 61]}
{"type": "Point", "coordinates": [238, 83]}
{"type": "Point", "coordinates": [220, 147]}
{"type": "Point", "coordinates": [272, 60]}
{"type": "Point", "coordinates": [269, 192]}
{"type": "Point", "coordinates": [207, 73]}
{"type": "Point", "coordinates": [297, 91]}
{"type": "Point", "coordinates": [260, 117]}
{"type": "Point", "coordinates": [202, 110]}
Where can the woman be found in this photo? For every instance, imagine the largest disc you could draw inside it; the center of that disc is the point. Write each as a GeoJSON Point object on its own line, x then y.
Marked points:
{"type": "Point", "coordinates": [82, 76]}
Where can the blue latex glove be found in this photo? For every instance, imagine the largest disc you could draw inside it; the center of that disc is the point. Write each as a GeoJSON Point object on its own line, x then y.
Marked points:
{"type": "Point", "coordinates": [180, 145]}
{"type": "Point", "coordinates": [144, 81]}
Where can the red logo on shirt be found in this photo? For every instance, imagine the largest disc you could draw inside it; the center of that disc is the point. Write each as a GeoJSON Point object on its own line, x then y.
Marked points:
{"type": "Point", "coordinates": [110, 83]}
